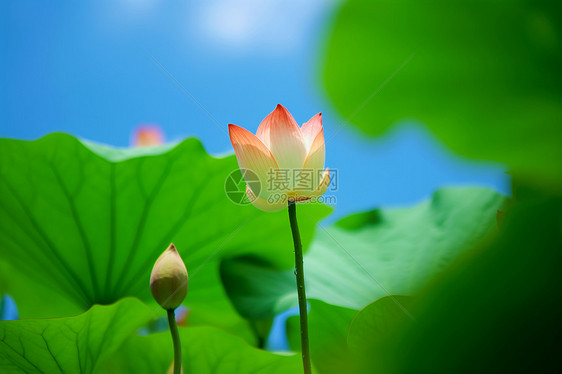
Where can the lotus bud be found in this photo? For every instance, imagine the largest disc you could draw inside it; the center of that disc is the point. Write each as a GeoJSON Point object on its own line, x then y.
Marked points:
{"type": "Point", "coordinates": [168, 281]}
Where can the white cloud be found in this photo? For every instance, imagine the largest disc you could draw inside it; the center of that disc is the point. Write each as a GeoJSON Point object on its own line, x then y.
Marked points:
{"type": "Point", "coordinates": [138, 8]}
{"type": "Point", "coordinates": [272, 26]}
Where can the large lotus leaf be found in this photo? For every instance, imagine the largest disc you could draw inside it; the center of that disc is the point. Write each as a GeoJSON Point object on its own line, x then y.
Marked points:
{"type": "Point", "coordinates": [204, 350]}
{"type": "Point", "coordinates": [344, 340]}
{"type": "Point", "coordinates": [71, 344]}
{"type": "Point", "coordinates": [328, 326]}
{"type": "Point", "coordinates": [370, 255]}
{"type": "Point", "coordinates": [371, 328]}
{"type": "Point", "coordinates": [376, 320]}
{"type": "Point", "coordinates": [499, 309]}
{"type": "Point", "coordinates": [482, 75]}
{"type": "Point", "coordinates": [82, 224]}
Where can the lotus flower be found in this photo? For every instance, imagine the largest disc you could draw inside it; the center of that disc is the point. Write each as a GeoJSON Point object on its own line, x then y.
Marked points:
{"type": "Point", "coordinates": [287, 159]}
{"type": "Point", "coordinates": [148, 136]}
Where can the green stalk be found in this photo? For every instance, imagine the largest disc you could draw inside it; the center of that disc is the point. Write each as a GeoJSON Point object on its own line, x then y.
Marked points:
{"type": "Point", "coordinates": [176, 340]}
{"type": "Point", "coordinates": [299, 270]}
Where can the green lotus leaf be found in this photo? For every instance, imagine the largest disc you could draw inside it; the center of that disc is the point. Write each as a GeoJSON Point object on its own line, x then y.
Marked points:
{"type": "Point", "coordinates": [482, 75]}
{"type": "Point", "coordinates": [498, 309]}
{"type": "Point", "coordinates": [82, 224]}
{"type": "Point", "coordinates": [372, 254]}
{"type": "Point", "coordinates": [344, 340]}
{"type": "Point", "coordinates": [71, 344]}
{"type": "Point", "coordinates": [204, 350]}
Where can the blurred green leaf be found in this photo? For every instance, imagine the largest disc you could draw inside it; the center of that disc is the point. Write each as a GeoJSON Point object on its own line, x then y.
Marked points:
{"type": "Point", "coordinates": [499, 309]}
{"type": "Point", "coordinates": [83, 224]}
{"type": "Point", "coordinates": [73, 344]}
{"type": "Point", "coordinates": [328, 326]}
{"type": "Point", "coordinates": [375, 320]}
{"type": "Point", "coordinates": [370, 255]}
{"type": "Point", "coordinates": [371, 327]}
{"type": "Point", "coordinates": [346, 341]}
{"type": "Point", "coordinates": [482, 75]}
{"type": "Point", "coordinates": [204, 350]}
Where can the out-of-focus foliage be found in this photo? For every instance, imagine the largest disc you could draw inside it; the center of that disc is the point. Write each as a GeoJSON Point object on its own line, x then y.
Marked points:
{"type": "Point", "coordinates": [342, 339]}
{"type": "Point", "coordinates": [205, 350]}
{"type": "Point", "coordinates": [83, 224]}
{"type": "Point", "coordinates": [328, 327]}
{"type": "Point", "coordinates": [367, 256]}
{"type": "Point", "coordinates": [484, 76]}
{"type": "Point", "coordinates": [497, 311]}
{"type": "Point", "coordinates": [72, 344]}
{"type": "Point", "coordinates": [360, 259]}
{"type": "Point", "coordinates": [370, 328]}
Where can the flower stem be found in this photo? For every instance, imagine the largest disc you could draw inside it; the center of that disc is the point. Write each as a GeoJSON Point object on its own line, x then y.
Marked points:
{"type": "Point", "coordinates": [176, 340]}
{"type": "Point", "coordinates": [299, 270]}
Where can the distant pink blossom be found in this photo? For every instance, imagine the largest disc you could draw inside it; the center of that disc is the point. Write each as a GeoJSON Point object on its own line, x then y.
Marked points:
{"type": "Point", "coordinates": [147, 136]}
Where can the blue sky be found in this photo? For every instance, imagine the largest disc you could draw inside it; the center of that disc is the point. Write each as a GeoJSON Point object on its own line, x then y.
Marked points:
{"type": "Point", "coordinates": [89, 68]}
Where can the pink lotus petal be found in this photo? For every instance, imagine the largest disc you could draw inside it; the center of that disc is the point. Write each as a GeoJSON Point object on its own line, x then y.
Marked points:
{"type": "Point", "coordinates": [281, 134]}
